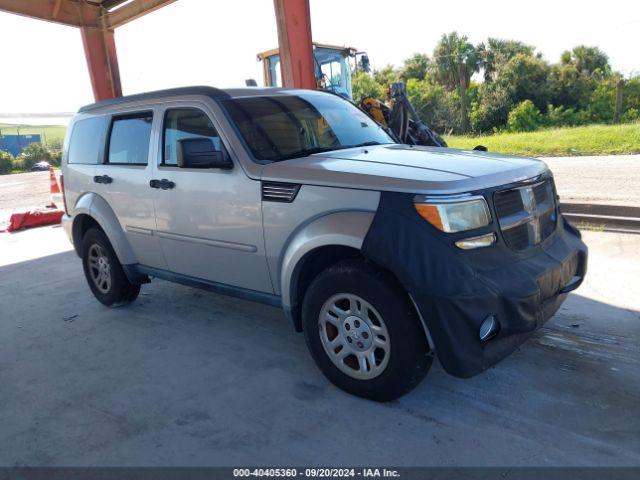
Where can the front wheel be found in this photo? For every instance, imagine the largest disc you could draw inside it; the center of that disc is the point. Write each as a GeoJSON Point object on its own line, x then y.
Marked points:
{"type": "Point", "coordinates": [103, 271]}
{"type": "Point", "coordinates": [363, 332]}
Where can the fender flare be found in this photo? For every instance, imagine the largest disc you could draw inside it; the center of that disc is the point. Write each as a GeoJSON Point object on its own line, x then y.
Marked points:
{"type": "Point", "coordinates": [345, 228]}
{"type": "Point", "coordinates": [98, 209]}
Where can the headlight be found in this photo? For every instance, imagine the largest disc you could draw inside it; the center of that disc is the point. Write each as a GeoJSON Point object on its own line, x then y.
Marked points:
{"type": "Point", "coordinates": [454, 214]}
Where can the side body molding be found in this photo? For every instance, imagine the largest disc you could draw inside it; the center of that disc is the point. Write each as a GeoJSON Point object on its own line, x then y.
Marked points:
{"type": "Point", "coordinates": [346, 228]}
{"type": "Point", "coordinates": [96, 207]}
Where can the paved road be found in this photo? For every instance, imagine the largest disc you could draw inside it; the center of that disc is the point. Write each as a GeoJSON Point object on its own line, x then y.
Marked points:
{"type": "Point", "coordinates": [23, 191]}
{"type": "Point", "coordinates": [186, 377]}
{"type": "Point", "coordinates": [613, 180]}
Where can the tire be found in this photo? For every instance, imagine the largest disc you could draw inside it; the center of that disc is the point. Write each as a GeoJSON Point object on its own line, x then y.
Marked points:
{"type": "Point", "coordinates": [103, 271]}
{"type": "Point", "coordinates": [355, 299]}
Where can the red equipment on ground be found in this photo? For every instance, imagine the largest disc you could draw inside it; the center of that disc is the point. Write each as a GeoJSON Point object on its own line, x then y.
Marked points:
{"type": "Point", "coordinates": [41, 217]}
{"type": "Point", "coordinates": [33, 218]}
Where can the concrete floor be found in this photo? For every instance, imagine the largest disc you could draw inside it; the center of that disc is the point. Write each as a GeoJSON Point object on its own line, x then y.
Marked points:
{"type": "Point", "coordinates": [186, 377]}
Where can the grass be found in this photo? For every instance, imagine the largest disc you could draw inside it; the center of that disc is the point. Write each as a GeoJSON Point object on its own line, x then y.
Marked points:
{"type": "Point", "coordinates": [587, 140]}
{"type": "Point", "coordinates": [48, 133]}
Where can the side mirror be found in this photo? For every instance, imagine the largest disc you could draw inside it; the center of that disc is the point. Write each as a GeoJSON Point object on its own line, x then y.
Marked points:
{"type": "Point", "coordinates": [201, 153]}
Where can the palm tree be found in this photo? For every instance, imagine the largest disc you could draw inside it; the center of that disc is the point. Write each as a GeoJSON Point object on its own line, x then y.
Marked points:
{"type": "Point", "coordinates": [497, 52]}
{"type": "Point", "coordinates": [587, 60]}
{"type": "Point", "coordinates": [456, 60]}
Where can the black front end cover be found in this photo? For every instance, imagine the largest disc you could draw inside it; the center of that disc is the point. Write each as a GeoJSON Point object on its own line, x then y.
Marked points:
{"type": "Point", "coordinates": [455, 290]}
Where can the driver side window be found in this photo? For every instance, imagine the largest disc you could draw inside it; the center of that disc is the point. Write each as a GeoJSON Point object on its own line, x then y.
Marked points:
{"type": "Point", "coordinates": [181, 123]}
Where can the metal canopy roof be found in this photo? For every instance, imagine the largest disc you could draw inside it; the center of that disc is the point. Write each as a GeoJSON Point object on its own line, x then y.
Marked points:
{"type": "Point", "coordinates": [104, 14]}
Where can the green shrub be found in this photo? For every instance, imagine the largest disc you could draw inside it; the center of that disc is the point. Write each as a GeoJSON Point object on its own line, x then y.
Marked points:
{"type": "Point", "coordinates": [602, 103]}
{"type": "Point", "coordinates": [525, 117]}
{"type": "Point", "coordinates": [525, 77]}
{"type": "Point", "coordinates": [56, 157]}
{"type": "Point", "coordinates": [415, 67]}
{"type": "Point", "coordinates": [18, 164]}
{"type": "Point", "coordinates": [386, 76]}
{"type": "Point", "coordinates": [632, 93]}
{"type": "Point", "coordinates": [491, 110]}
{"type": "Point", "coordinates": [6, 162]}
{"type": "Point", "coordinates": [631, 115]}
{"type": "Point", "coordinates": [562, 117]}
{"type": "Point", "coordinates": [437, 107]}
{"type": "Point", "coordinates": [32, 154]}
{"type": "Point", "coordinates": [364, 86]}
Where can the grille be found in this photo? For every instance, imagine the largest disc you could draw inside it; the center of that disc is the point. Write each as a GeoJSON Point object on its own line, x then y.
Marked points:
{"type": "Point", "coordinates": [527, 214]}
{"type": "Point", "coordinates": [279, 192]}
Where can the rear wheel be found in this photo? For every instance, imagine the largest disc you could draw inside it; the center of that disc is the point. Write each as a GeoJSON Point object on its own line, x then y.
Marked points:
{"type": "Point", "coordinates": [103, 271]}
{"type": "Point", "coordinates": [363, 331]}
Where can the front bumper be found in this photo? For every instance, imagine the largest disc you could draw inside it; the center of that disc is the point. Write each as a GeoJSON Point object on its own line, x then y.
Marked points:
{"type": "Point", "coordinates": [521, 295]}
{"type": "Point", "coordinates": [457, 290]}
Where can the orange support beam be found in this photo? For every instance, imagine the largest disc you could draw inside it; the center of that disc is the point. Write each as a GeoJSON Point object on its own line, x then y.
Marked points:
{"type": "Point", "coordinates": [102, 61]}
{"type": "Point", "coordinates": [293, 18]}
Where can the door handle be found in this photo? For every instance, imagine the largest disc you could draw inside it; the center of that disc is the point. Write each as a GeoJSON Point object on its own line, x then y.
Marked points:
{"type": "Point", "coordinates": [102, 179]}
{"type": "Point", "coordinates": [164, 184]}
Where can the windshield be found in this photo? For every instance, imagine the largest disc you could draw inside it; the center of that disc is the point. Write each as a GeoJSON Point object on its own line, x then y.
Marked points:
{"type": "Point", "coordinates": [332, 68]}
{"type": "Point", "coordinates": [280, 127]}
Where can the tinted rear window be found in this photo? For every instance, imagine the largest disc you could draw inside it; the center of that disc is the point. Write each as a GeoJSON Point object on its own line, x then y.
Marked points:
{"type": "Point", "coordinates": [87, 140]}
{"type": "Point", "coordinates": [129, 140]}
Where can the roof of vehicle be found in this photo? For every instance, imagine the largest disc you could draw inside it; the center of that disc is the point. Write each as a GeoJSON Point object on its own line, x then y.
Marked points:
{"type": "Point", "coordinates": [275, 51]}
{"type": "Point", "coordinates": [214, 93]}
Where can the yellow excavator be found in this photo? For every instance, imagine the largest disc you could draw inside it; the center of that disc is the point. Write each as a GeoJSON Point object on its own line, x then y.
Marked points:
{"type": "Point", "coordinates": [334, 66]}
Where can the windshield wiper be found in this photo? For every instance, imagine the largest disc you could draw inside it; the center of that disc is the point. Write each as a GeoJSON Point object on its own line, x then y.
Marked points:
{"type": "Point", "coordinates": [308, 151]}
{"type": "Point", "coordinates": [363, 144]}
{"type": "Point", "coordinates": [311, 151]}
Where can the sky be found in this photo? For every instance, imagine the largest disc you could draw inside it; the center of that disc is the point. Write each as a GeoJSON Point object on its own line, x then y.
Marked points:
{"type": "Point", "coordinates": [211, 42]}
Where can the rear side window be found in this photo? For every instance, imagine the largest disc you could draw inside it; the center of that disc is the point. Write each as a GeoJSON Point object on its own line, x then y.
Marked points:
{"type": "Point", "coordinates": [87, 140]}
{"type": "Point", "coordinates": [129, 140]}
{"type": "Point", "coordinates": [181, 123]}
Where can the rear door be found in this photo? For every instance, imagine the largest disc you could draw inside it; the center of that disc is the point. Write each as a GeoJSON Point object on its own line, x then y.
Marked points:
{"type": "Point", "coordinates": [210, 220]}
{"type": "Point", "coordinates": [123, 180]}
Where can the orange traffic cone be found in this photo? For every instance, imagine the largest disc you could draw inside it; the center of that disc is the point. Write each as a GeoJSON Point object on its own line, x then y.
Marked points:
{"type": "Point", "coordinates": [54, 189]}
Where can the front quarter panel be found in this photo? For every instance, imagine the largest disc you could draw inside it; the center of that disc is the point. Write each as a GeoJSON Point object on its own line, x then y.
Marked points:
{"type": "Point", "coordinates": [320, 216]}
{"type": "Point", "coordinates": [346, 229]}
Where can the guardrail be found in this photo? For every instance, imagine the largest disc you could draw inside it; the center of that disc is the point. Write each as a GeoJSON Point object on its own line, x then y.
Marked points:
{"type": "Point", "coordinates": [613, 218]}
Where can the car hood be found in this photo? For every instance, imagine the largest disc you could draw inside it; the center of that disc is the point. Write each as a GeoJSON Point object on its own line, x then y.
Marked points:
{"type": "Point", "coordinates": [405, 168]}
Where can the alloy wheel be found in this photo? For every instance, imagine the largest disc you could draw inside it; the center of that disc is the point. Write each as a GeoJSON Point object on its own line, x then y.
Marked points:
{"type": "Point", "coordinates": [354, 336]}
{"type": "Point", "coordinates": [99, 268]}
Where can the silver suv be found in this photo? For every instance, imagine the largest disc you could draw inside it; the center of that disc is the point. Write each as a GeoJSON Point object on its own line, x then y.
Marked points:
{"type": "Point", "coordinates": [382, 254]}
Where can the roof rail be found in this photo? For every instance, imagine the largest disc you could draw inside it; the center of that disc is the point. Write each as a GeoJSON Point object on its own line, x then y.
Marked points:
{"type": "Point", "coordinates": [212, 92]}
